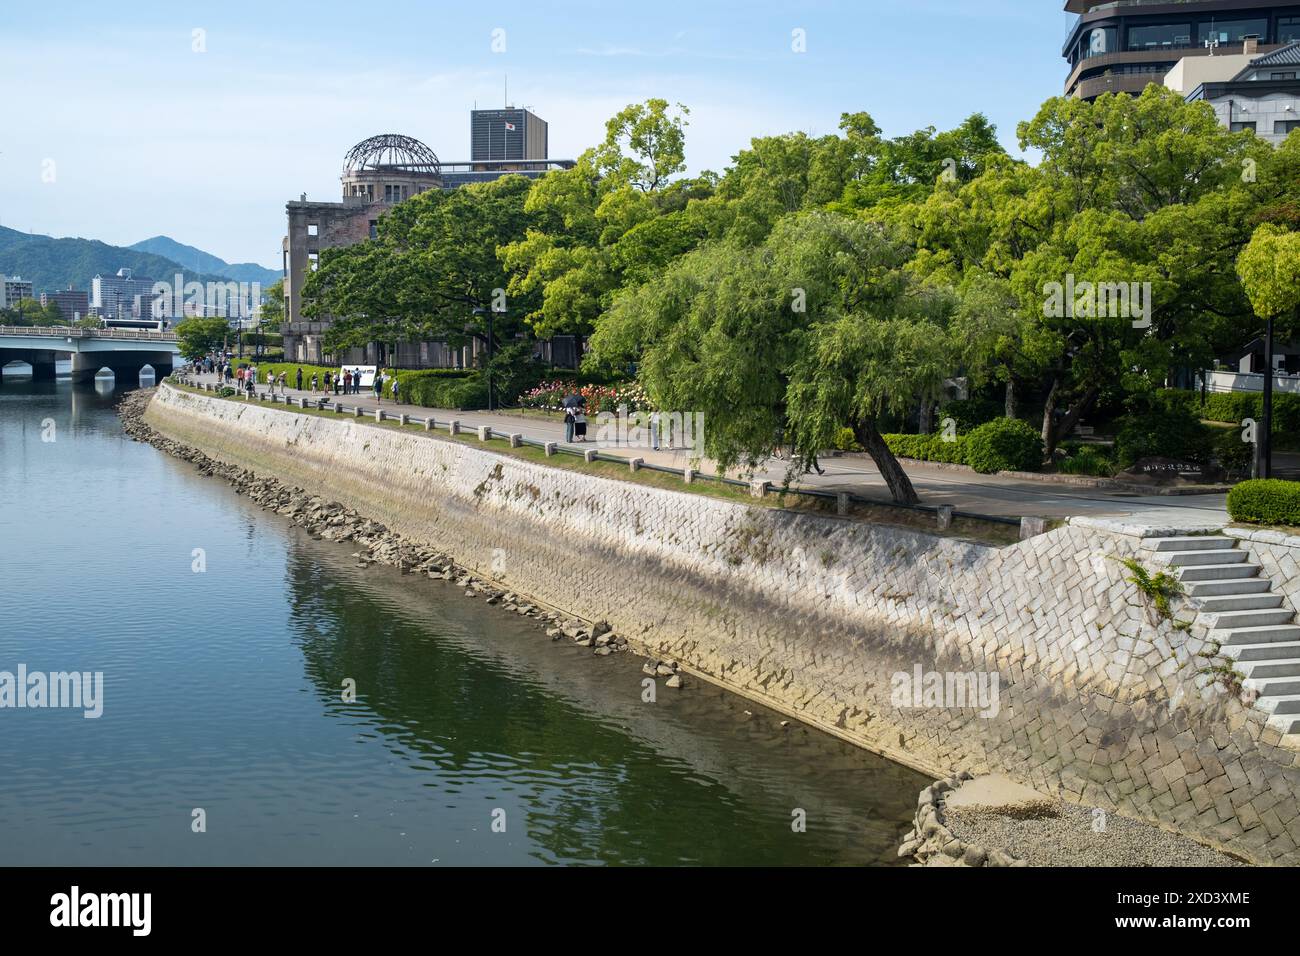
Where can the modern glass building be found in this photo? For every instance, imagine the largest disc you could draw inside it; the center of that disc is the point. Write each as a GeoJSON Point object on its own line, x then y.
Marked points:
{"type": "Point", "coordinates": [1119, 46]}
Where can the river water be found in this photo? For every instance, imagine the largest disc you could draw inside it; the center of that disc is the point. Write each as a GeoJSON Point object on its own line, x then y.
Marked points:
{"type": "Point", "coordinates": [223, 704]}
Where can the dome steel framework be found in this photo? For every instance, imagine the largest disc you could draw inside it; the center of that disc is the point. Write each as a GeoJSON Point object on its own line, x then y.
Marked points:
{"type": "Point", "coordinates": [391, 151]}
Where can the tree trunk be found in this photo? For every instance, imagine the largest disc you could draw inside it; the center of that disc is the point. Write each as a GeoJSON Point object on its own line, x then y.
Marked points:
{"type": "Point", "coordinates": [925, 419]}
{"type": "Point", "coordinates": [900, 486]}
{"type": "Point", "coordinates": [1010, 408]}
{"type": "Point", "coordinates": [1049, 412]}
{"type": "Point", "coordinates": [1071, 417]}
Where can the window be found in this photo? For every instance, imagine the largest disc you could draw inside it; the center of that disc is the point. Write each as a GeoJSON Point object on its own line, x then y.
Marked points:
{"type": "Point", "coordinates": [1233, 31]}
{"type": "Point", "coordinates": [1240, 127]}
{"type": "Point", "coordinates": [1282, 127]}
{"type": "Point", "coordinates": [313, 261]}
{"type": "Point", "coordinates": [1164, 36]}
{"type": "Point", "coordinates": [1099, 41]}
{"type": "Point", "coordinates": [374, 228]}
{"type": "Point", "coordinates": [1288, 29]}
{"type": "Point", "coordinates": [313, 229]}
{"type": "Point", "coordinates": [1281, 76]}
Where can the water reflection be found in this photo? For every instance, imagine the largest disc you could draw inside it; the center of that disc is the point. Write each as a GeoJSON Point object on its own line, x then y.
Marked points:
{"type": "Point", "coordinates": [223, 689]}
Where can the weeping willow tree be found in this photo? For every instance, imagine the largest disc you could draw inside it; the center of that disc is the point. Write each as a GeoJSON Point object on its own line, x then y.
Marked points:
{"type": "Point", "coordinates": [817, 329]}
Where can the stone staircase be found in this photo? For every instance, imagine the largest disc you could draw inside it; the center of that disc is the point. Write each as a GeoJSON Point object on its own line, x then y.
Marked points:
{"type": "Point", "coordinates": [1240, 610]}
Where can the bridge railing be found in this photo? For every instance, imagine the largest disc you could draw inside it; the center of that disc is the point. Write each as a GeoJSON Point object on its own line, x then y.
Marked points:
{"type": "Point", "coordinates": [63, 331]}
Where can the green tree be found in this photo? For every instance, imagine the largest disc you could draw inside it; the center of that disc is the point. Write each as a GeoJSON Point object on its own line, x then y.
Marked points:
{"type": "Point", "coordinates": [593, 228]}
{"type": "Point", "coordinates": [817, 329]}
{"type": "Point", "coordinates": [196, 337]}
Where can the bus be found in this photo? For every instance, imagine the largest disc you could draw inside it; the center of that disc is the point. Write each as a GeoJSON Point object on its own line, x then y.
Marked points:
{"type": "Point", "coordinates": [142, 325]}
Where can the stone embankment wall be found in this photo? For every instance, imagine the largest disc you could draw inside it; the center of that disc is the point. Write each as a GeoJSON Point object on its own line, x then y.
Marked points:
{"type": "Point", "coordinates": [1098, 700]}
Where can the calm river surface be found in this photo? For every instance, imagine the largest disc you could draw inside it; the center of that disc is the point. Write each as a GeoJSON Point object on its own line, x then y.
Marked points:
{"type": "Point", "coordinates": [222, 691]}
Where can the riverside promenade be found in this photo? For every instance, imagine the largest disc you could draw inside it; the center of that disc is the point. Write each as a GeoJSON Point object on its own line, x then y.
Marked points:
{"type": "Point", "coordinates": [937, 485]}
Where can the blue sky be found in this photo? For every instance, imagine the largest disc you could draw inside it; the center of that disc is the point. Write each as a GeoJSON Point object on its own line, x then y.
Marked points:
{"type": "Point", "coordinates": [115, 128]}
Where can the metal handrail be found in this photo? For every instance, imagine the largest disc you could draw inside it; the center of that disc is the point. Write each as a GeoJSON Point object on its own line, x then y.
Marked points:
{"type": "Point", "coordinates": [76, 332]}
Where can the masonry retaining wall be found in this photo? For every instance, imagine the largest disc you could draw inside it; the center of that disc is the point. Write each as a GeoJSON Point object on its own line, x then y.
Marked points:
{"type": "Point", "coordinates": [812, 615]}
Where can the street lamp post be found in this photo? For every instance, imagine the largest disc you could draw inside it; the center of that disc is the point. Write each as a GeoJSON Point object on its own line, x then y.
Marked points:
{"type": "Point", "coordinates": [489, 313]}
{"type": "Point", "coordinates": [1266, 438]}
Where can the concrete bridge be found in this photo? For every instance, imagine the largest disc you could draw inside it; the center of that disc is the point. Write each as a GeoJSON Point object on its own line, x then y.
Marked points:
{"type": "Point", "coordinates": [122, 351]}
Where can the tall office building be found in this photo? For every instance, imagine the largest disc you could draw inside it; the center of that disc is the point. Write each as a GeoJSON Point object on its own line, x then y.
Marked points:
{"type": "Point", "coordinates": [74, 305]}
{"type": "Point", "coordinates": [506, 134]}
{"type": "Point", "coordinates": [12, 290]}
{"type": "Point", "coordinates": [124, 296]}
{"type": "Point", "coordinates": [1120, 46]}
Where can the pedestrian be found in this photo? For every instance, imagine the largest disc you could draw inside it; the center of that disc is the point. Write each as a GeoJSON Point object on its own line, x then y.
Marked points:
{"type": "Point", "coordinates": [284, 383]}
{"type": "Point", "coordinates": [378, 386]}
{"type": "Point", "coordinates": [347, 381]}
{"type": "Point", "coordinates": [338, 382]}
{"type": "Point", "coordinates": [327, 381]}
{"type": "Point", "coordinates": [300, 379]}
{"type": "Point", "coordinates": [568, 424]}
{"type": "Point", "coordinates": [580, 426]}
{"type": "Point", "coordinates": [313, 383]}
{"type": "Point", "coordinates": [396, 389]}
{"type": "Point", "coordinates": [248, 384]}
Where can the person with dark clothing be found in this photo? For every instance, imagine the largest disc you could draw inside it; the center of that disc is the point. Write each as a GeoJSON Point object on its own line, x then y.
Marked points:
{"type": "Point", "coordinates": [299, 376]}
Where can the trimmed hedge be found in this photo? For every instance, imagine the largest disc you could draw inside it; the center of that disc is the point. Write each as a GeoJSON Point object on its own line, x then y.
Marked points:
{"type": "Point", "coordinates": [1234, 407]}
{"type": "Point", "coordinates": [928, 448]}
{"type": "Point", "coordinates": [1004, 444]}
{"type": "Point", "coordinates": [1265, 501]}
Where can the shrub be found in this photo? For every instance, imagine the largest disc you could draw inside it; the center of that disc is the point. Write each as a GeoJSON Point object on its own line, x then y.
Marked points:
{"type": "Point", "coordinates": [1232, 453]}
{"type": "Point", "coordinates": [969, 413]}
{"type": "Point", "coordinates": [846, 441]}
{"type": "Point", "coordinates": [1087, 460]}
{"type": "Point", "coordinates": [928, 448]}
{"type": "Point", "coordinates": [1004, 444]}
{"type": "Point", "coordinates": [1234, 407]}
{"type": "Point", "coordinates": [1164, 431]}
{"type": "Point", "coordinates": [1265, 501]}
{"type": "Point", "coordinates": [225, 391]}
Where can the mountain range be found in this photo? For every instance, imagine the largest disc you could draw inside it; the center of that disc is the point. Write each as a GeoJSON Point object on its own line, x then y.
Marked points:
{"type": "Point", "coordinates": [52, 264]}
{"type": "Point", "coordinates": [201, 261]}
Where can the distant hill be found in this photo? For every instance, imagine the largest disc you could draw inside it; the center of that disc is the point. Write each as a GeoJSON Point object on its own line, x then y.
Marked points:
{"type": "Point", "coordinates": [53, 264]}
{"type": "Point", "coordinates": [201, 261]}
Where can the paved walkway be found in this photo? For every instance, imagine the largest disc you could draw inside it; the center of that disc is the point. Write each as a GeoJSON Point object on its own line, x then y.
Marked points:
{"type": "Point", "coordinates": [965, 491]}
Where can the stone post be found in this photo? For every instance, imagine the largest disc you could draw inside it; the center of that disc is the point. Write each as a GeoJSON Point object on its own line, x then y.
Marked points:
{"type": "Point", "coordinates": [379, 414]}
{"type": "Point", "coordinates": [759, 489]}
{"type": "Point", "coordinates": [402, 419]}
{"type": "Point", "coordinates": [635, 464]}
{"type": "Point", "coordinates": [945, 517]}
{"type": "Point", "coordinates": [589, 455]}
{"type": "Point", "coordinates": [688, 475]}
{"type": "Point", "coordinates": [1030, 527]}
{"type": "Point", "coordinates": [842, 503]}
{"type": "Point", "coordinates": [516, 440]}
{"type": "Point", "coordinates": [356, 411]}
{"type": "Point", "coordinates": [484, 432]}
{"type": "Point", "coordinates": [454, 427]}
{"type": "Point", "coordinates": [549, 448]}
{"type": "Point", "coordinates": [428, 424]}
